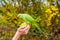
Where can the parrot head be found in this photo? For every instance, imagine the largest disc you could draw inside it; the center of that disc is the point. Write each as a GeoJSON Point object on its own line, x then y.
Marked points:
{"type": "Point", "coordinates": [20, 15]}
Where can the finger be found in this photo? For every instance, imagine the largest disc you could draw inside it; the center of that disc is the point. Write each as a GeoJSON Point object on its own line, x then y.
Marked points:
{"type": "Point", "coordinates": [26, 30]}
{"type": "Point", "coordinates": [28, 27]}
{"type": "Point", "coordinates": [22, 27]}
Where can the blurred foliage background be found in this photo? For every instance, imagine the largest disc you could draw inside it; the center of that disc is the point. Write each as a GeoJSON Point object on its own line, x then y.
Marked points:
{"type": "Point", "coordinates": [45, 12]}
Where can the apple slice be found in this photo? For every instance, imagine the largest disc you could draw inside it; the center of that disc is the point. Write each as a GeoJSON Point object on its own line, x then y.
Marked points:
{"type": "Point", "coordinates": [23, 24]}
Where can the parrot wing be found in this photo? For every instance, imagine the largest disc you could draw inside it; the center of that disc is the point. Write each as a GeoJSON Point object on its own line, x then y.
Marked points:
{"type": "Point", "coordinates": [28, 18]}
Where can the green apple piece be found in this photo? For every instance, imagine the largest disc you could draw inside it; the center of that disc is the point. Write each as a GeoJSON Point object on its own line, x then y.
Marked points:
{"type": "Point", "coordinates": [23, 24]}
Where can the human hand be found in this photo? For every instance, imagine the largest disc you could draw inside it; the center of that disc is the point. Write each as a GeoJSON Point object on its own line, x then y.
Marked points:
{"type": "Point", "coordinates": [21, 31]}
{"type": "Point", "coordinates": [24, 30]}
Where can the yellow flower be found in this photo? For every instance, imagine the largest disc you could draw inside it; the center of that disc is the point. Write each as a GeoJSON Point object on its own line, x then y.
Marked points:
{"type": "Point", "coordinates": [48, 11]}
{"type": "Point", "coordinates": [54, 8]}
{"type": "Point", "coordinates": [48, 23]}
{"type": "Point", "coordinates": [51, 15]}
{"type": "Point", "coordinates": [46, 15]}
{"type": "Point", "coordinates": [9, 14]}
{"type": "Point", "coordinates": [49, 18]}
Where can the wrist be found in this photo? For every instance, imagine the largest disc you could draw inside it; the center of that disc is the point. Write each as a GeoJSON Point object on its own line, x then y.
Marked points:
{"type": "Point", "coordinates": [17, 35]}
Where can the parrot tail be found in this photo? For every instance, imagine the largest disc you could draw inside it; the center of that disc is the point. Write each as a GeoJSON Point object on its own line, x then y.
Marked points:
{"type": "Point", "coordinates": [39, 29]}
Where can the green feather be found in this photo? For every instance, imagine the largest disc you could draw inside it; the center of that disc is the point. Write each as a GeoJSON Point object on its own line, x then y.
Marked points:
{"type": "Point", "coordinates": [29, 19]}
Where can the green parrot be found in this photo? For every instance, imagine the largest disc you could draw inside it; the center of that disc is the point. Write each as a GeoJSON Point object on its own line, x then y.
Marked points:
{"type": "Point", "coordinates": [27, 18]}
